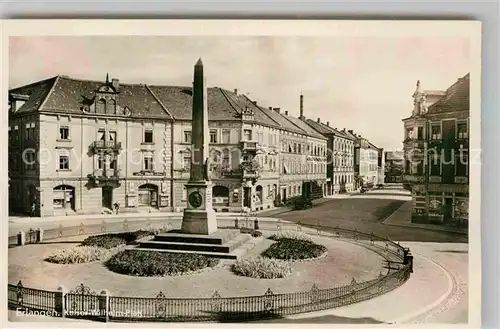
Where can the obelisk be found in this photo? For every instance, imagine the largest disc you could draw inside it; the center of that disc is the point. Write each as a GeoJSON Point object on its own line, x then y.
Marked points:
{"type": "Point", "coordinates": [199, 216]}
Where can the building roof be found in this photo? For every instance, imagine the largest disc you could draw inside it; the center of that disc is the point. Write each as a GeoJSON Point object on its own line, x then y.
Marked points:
{"type": "Point", "coordinates": [36, 92]}
{"type": "Point", "coordinates": [327, 130]}
{"type": "Point", "coordinates": [281, 121]}
{"type": "Point", "coordinates": [456, 98]}
{"type": "Point", "coordinates": [394, 155]}
{"type": "Point", "coordinates": [304, 126]}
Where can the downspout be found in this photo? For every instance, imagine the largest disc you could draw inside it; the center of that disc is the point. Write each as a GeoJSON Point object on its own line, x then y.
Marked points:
{"type": "Point", "coordinates": [81, 164]}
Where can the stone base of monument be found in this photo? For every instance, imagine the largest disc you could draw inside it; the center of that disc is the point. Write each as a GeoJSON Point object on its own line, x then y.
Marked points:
{"type": "Point", "coordinates": [224, 243]}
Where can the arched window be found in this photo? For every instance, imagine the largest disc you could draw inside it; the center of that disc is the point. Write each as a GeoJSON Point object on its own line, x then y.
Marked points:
{"type": "Point", "coordinates": [64, 197]}
{"type": "Point", "coordinates": [220, 195]}
{"type": "Point", "coordinates": [101, 106]}
{"type": "Point", "coordinates": [112, 107]}
{"type": "Point", "coordinates": [258, 195]}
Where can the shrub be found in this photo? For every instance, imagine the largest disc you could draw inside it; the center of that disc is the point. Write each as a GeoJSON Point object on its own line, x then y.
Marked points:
{"type": "Point", "coordinates": [113, 240]}
{"type": "Point", "coordinates": [154, 263]}
{"type": "Point", "coordinates": [80, 254]}
{"type": "Point", "coordinates": [292, 249]}
{"type": "Point", "coordinates": [262, 268]}
{"type": "Point", "coordinates": [290, 234]}
{"type": "Point", "coordinates": [251, 231]}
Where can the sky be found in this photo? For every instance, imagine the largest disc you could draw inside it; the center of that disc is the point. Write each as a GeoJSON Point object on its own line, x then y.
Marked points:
{"type": "Point", "coordinates": [359, 83]}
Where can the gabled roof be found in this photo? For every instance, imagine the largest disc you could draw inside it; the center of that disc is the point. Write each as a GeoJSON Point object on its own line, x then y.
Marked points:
{"type": "Point", "coordinates": [394, 155]}
{"type": "Point", "coordinates": [456, 98]}
{"type": "Point", "coordinates": [242, 102]}
{"type": "Point", "coordinates": [36, 93]}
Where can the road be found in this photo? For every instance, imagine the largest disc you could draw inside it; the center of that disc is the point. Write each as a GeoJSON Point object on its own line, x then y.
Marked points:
{"type": "Point", "coordinates": [436, 294]}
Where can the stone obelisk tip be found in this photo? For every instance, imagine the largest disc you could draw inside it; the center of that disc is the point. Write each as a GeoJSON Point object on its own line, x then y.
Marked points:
{"type": "Point", "coordinates": [199, 62]}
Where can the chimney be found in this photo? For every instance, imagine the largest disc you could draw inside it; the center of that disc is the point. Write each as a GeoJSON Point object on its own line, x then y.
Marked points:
{"type": "Point", "coordinates": [236, 91]}
{"type": "Point", "coordinates": [115, 83]}
{"type": "Point", "coordinates": [319, 120]}
{"type": "Point", "coordinates": [254, 102]}
{"type": "Point", "coordinates": [301, 107]}
{"type": "Point", "coordinates": [328, 123]}
{"type": "Point", "coordinates": [351, 132]}
{"type": "Point", "coordinates": [343, 129]}
{"type": "Point", "coordinates": [286, 112]}
{"type": "Point", "coordinates": [270, 108]}
{"type": "Point", "coordinates": [276, 109]}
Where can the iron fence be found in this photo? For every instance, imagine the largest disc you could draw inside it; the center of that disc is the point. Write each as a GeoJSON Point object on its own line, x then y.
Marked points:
{"type": "Point", "coordinates": [82, 302]}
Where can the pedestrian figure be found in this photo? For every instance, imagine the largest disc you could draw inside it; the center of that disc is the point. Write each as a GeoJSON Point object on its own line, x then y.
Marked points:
{"type": "Point", "coordinates": [32, 210]}
{"type": "Point", "coordinates": [117, 207]}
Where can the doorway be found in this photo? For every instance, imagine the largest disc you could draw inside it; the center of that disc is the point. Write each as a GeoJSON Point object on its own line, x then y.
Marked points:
{"type": "Point", "coordinates": [107, 197]}
{"type": "Point", "coordinates": [283, 196]}
{"type": "Point", "coordinates": [448, 209]}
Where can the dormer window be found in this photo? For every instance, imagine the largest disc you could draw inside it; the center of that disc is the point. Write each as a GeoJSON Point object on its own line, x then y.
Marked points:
{"type": "Point", "coordinates": [101, 106]}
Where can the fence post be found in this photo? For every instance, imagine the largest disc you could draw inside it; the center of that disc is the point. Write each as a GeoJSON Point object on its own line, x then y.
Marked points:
{"type": "Point", "coordinates": [60, 304]}
{"type": "Point", "coordinates": [39, 235]}
{"type": "Point", "coordinates": [21, 238]}
{"type": "Point", "coordinates": [256, 223]}
{"type": "Point", "coordinates": [104, 304]}
{"type": "Point", "coordinates": [236, 223]}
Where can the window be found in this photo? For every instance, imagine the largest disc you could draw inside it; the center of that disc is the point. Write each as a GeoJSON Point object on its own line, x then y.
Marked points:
{"type": "Point", "coordinates": [64, 132]}
{"type": "Point", "coordinates": [213, 136]}
{"type": "Point", "coordinates": [63, 162]}
{"type": "Point", "coordinates": [225, 159]}
{"type": "Point", "coordinates": [461, 164]}
{"type": "Point", "coordinates": [112, 136]}
{"type": "Point", "coordinates": [294, 147]}
{"type": "Point", "coordinates": [435, 164]}
{"type": "Point", "coordinates": [409, 133]}
{"type": "Point", "coordinates": [247, 134]}
{"type": "Point", "coordinates": [112, 106]}
{"type": "Point", "coordinates": [101, 134]}
{"type": "Point", "coordinates": [226, 136]}
{"type": "Point", "coordinates": [462, 131]}
{"type": "Point", "coordinates": [100, 162]}
{"type": "Point", "coordinates": [420, 168]}
{"type": "Point", "coordinates": [113, 163]}
{"type": "Point", "coordinates": [420, 133]}
{"type": "Point", "coordinates": [28, 131]}
{"type": "Point", "coordinates": [187, 136]}
{"type": "Point", "coordinates": [148, 162]}
{"type": "Point", "coordinates": [148, 136]}
{"type": "Point", "coordinates": [435, 132]}
{"type": "Point", "coordinates": [30, 160]}
{"type": "Point", "coordinates": [186, 160]}
{"type": "Point", "coordinates": [101, 106]}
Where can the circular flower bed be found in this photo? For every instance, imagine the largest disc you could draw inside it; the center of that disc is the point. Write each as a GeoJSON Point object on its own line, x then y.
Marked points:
{"type": "Point", "coordinates": [262, 268]}
{"type": "Point", "coordinates": [77, 255]}
{"type": "Point", "coordinates": [292, 249]}
{"type": "Point", "coordinates": [154, 263]}
{"type": "Point", "coordinates": [290, 234]}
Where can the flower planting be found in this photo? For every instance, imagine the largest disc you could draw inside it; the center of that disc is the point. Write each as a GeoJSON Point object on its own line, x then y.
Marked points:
{"type": "Point", "coordinates": [291, 235]}
{"type": "Point", "coordinates": [262, 268]}
{"type": "Point", "coordinates": [76, 255]}
{"type": "Point", "coordinates": [293, 249]}
{"type": "Point", "coordinates": [154, 263]}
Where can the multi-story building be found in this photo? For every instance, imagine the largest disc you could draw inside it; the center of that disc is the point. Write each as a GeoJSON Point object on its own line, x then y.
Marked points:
{"type": "Point", "coordinates": [366, 163]}
{"type": "Point", "coordinates": [340, 168]}
{"type": "Point", "coordinates": [394, 164]}
{"type": "Point", "coordinates": [436, 148]}
{"type": "Point", "coordinates": [78, 146]}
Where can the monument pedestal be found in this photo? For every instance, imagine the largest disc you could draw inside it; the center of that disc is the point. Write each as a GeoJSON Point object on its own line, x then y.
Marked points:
{"type": "Point", "coordinates": [199, 222]}
{"type": "Point", "coordinates": [199, 216]}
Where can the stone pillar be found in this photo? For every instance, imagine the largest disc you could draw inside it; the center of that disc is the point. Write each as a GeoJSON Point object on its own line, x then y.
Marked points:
{"type": "Point", "coordinates": [104, 304]}
{"type": "Point", "coordinates": [21, 238]}
{"type": "Point", "coordinates": [60, 305]}
{"type": "Point", "coordinates": [39, 235]}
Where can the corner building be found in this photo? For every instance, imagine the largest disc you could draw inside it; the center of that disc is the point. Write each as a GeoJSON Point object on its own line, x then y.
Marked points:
{"type": "Point", "coordinates": [436, 149]}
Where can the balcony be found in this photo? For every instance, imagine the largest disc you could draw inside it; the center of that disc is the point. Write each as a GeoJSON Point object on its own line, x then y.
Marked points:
{"type": "Point", "coordinates": [413, 178]}
{"type": "Point", "coordinates": [461, 180]}
{"type": "Point", "coordinates": [102, 177]}
{"type": "Point", "coordinates": [248, 146]}
{"type": "Point", "coordinates": [114, 146]}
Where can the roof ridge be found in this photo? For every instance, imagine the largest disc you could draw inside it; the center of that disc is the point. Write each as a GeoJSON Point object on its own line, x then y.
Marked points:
{"type": "Point", "coordinates": [228, 100]}
{"type": "Point", "coordinates": [160, 102]}
{"type": "Point", "coordinates": [264, 110]}
{"type": "Point", "coordinates": [34, 83]}
{"type": "Point", "coordinates": [286, 117]}
{"type": "Point", "coordinates": [51, 90]}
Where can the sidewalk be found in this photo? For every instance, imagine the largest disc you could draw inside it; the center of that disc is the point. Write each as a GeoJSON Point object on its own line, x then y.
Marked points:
{"type": "Point", "coordinates": [402, 217]}
{"type": "Point", "coordinates": [285, 209]}
{"type": "Point", "coordinates": [404, 304]}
